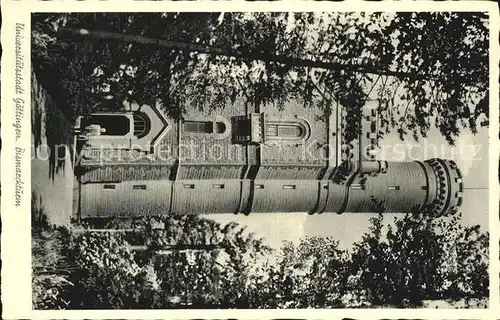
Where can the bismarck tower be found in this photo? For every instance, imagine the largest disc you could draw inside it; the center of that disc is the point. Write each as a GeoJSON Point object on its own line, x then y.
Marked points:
{"type": "Point", "coordinates": [242, 159]}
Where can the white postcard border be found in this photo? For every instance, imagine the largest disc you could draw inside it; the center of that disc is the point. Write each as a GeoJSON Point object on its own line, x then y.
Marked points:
{"type": "Point", "coordinates": [16, 234]}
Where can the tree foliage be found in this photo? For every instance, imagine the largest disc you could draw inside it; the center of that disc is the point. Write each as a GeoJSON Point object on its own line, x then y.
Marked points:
{"type": "Point", "coordinates": [312, 274]}
{"type": "Point", "coordinates": [400, 264]}
{"type": "Point", "coordinates": [425, 68]}
{"type": "Point", "coordinates": [161, 263]}
{"type": "Point", "coordinates": [420, 258]}
{"type": "Point", "coordinates": [190, 262]}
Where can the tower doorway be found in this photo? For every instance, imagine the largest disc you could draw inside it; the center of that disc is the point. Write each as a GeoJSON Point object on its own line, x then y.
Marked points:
{"type": "Point", "coordinates": [113, 124]}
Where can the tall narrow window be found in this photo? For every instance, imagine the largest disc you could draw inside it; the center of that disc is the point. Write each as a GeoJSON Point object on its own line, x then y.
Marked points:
{"type": "Point", "coordinates": [243, 127]}
{"type": "Point", "coordinates": [198, 126]}
{"type": "Point", "coordinates": [205, 127]}
{"type": "Point", "coordinates": [358, 187]}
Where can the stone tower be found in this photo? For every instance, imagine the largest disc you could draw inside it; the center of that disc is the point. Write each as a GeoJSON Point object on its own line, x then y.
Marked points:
{"type": "Point", "coordinates": [243, 159]}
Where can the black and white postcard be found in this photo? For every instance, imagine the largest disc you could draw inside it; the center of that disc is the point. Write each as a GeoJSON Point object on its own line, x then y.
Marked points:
{"type": "Point", "coordinates": [265, 160]}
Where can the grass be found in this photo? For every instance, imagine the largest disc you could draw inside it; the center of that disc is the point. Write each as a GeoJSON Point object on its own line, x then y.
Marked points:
{"type": "Point", "coordinates": [50, 268]}
{"type": "Point", "coordinates": [51, 271]}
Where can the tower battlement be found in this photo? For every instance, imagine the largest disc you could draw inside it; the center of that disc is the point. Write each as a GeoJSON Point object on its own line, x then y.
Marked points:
{"type": "Point", "coordinates": [449, 186]}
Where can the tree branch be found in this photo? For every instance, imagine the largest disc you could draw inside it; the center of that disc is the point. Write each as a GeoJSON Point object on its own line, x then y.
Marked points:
{"type": "Point", "coordinates": [248, 54]}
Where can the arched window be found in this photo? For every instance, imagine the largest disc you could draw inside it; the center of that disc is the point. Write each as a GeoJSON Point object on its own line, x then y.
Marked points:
{"type": "Point", "coordinates": [220, 127]}
{"type": "Point", "coordinates": [142, 124]}
{"type": "Point", "coordinates": [285, 130]}
{"type": "Point", "coordinates": [204, 127]}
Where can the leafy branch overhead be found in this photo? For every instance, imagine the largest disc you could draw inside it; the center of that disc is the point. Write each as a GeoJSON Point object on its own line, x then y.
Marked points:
{"type": "Point", "coordinates": [426, 68]}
